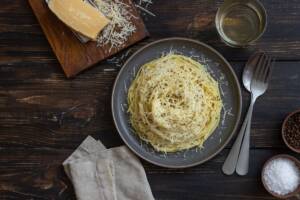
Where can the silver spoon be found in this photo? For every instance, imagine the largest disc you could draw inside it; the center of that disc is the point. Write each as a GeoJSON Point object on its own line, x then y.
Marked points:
{"type": "Point", "coordinates": [259, 85]}
{"type": "Point", "coordinates": [231, 160]}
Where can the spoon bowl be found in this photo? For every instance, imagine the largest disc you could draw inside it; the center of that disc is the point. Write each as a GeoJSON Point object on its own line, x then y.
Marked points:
{"type": "Point", "coordinates": [249, 69]}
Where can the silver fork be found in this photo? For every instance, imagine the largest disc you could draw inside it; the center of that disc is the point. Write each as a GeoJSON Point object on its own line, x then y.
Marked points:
{"type": "Point", "coordinates": [259, 85]}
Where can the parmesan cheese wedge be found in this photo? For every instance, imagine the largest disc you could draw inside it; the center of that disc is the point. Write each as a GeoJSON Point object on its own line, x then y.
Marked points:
{"type": "Point", "coordinates": [80, 16]}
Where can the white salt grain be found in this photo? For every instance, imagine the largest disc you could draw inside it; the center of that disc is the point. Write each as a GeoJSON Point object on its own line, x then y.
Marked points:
{"type": "Point", "coordinates": [281, 176]}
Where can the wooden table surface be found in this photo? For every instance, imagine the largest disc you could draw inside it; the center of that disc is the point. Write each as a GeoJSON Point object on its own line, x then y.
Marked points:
{"type": "Point", "coordinates": [44, 116]}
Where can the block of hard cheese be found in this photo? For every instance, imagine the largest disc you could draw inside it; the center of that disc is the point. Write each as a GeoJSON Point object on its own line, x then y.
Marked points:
{"type": "Point", "coordinates": [73, 55]}
{"type": "Point", "coordinates": [80, 16]}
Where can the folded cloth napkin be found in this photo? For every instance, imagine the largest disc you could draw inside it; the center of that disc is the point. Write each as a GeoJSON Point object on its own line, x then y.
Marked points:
{"type": "Point", "coordinates": [98, 173]}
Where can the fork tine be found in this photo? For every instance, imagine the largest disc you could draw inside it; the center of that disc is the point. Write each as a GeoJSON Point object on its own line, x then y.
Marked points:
{"type": "Point", "coordinates": [260, 68]}
{"type": "Point", "coordinates": [268, 75]}
{"type": "Point", "coordinates": [266, 69]}
{"type": "Point", "coordinates": [254, 58]}
{"type": "Point", "coordinates": [259, 63]}
{"type": "Point", "coordinates": [259, 71]}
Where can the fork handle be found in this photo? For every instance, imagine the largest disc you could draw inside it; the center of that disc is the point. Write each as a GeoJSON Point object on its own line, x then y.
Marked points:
{"type": "Point", "coordinates": [242, 166]}
{"type": "Point", "coordinates": [232, 158]}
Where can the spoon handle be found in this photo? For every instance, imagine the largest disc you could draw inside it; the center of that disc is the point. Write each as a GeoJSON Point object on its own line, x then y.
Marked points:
{"type": "Point", "coordinates": [242, 166]}
{"type": "Point", "coordinates": [231, 160]}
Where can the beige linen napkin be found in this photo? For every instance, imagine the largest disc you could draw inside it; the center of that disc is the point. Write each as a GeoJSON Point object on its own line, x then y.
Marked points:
{"type": "Point", "coordinates": [98, 173]}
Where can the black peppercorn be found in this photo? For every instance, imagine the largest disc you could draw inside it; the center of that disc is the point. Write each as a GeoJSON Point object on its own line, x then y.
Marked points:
{"type": "Point", "coordinates": [292, 131]}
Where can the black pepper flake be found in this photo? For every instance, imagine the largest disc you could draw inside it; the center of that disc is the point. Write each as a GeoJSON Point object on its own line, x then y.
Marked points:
{"type": "Point", "coordinates": [292, 131]}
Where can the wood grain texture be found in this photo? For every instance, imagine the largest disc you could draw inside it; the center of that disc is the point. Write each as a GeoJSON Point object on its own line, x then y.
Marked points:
{"type": "Point", "coordinates": [38, 175]}
{"type": "Point", "coordinates": [73, 55]}
{"type": "Point", "coordinates": [44, 116]}
{"type": "Point", "coordinates": [21, 37]}
{"type": "Point", "coordinates": [36, 98]}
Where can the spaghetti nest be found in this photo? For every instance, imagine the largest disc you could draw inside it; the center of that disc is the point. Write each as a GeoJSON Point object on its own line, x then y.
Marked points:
{"type": "Point", "coordinates": [174, 103]}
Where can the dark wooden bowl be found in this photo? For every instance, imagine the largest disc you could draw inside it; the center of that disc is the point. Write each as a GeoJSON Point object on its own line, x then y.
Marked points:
{"type": "Point", "coordinates": [292, 194]}
{"type": "Point", "coordinates": [283, 128]}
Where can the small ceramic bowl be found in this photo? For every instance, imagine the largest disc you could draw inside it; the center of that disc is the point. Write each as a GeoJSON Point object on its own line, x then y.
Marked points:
{"type": "Point", "coordinates": [296, 193]}
{"type": "Point", "coordinates": [283, 129]}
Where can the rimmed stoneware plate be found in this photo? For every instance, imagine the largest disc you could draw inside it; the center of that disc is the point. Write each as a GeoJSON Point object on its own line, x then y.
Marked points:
{"type": "Point", "coordinates": [218, 67]}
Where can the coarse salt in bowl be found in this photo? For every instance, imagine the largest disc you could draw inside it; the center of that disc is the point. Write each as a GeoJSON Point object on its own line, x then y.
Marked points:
{"type": "Point", "coordinates": [281, 175]}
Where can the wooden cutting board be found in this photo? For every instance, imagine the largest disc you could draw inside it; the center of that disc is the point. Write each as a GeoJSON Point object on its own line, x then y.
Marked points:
{"type": "Point", "coordinates": [73, 55]}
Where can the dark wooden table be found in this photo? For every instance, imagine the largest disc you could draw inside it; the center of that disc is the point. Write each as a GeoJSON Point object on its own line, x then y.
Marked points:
{"type": "Point", "coordinates": [44, 116]}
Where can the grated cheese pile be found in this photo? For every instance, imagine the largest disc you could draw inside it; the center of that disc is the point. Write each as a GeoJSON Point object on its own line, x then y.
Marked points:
{"type": "Point", "coordinates": [120, 28]}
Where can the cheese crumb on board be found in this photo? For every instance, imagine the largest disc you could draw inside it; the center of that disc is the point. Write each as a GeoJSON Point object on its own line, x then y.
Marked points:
{"type": "Point", "coordinates": [80, 16]}
{"type": "Point", "coordinates": [143, 6]}
{"type": "Point", "coordinates": [120, 28]}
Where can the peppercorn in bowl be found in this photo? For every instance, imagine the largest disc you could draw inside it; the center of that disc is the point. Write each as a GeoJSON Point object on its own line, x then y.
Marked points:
{"type": "Point", "coordinates": [291, 131]}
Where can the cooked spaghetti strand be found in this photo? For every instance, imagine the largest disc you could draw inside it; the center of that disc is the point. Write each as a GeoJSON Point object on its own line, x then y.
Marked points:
{"type": "Point", "coordinates": [174, 103]}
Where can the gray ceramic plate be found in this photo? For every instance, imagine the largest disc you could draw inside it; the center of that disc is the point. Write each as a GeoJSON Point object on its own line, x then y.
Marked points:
{"type": "Point", "coordinates": [219, 68]}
